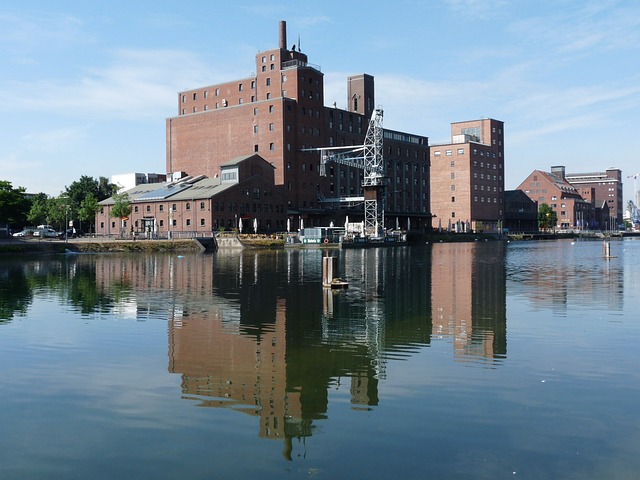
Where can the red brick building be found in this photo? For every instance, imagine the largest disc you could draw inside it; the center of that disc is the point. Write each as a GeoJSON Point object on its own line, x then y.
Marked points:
{"type": "Point", "coordinates": [244, 188]}
{"type": "Point", "coordinates": [467, 177]}
{"type": "Point", "coordinates": [572, 209]}
{"type": "Point", "coordinates": [279, 113]}
{"type": "Point", "coordinates": [607, 195]}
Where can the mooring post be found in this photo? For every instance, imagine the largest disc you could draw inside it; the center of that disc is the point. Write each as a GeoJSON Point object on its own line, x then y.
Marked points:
{"type": "Point", "coordinates": [328, 266]}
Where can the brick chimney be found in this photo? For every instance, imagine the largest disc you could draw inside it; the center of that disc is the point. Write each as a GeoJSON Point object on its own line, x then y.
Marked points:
{"type": "Point", "coordinates": [283, 35]}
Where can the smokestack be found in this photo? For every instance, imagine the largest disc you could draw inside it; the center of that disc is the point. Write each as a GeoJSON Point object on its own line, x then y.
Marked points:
{"type": "Point", "coordinates": [283, 35]}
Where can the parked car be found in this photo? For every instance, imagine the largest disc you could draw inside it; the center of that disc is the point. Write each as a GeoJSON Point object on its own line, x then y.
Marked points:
{"type": "Point", "coordinates": [70, 233]}
{"type": "Point", "coordinates": [23, 233]}
{"type": "Point", "coordinates": [45, 233]}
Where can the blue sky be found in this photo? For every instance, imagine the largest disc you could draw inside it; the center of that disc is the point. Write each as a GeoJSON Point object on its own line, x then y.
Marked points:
{"type": "Point", "coordinates": [85, 87]}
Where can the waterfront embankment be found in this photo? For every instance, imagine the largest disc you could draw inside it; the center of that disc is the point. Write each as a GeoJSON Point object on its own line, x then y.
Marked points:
{"type": "Point", "coordinates": [96, 245]}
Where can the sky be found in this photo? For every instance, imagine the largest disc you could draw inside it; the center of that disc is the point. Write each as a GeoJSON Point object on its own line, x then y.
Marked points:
{"type": "Point", "coordinates": [86, 87]}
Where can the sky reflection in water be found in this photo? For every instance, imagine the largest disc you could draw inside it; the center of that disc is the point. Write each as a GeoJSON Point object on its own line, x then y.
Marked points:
{"type": "Point", "coordinates": [472, 360]}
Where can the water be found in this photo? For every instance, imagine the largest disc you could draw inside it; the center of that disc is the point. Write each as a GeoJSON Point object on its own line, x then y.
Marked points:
{"type": "Point", "coordinates": [476, 360]}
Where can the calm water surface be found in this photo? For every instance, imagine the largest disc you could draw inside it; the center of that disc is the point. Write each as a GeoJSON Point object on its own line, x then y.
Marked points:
{"type": "Point", "coordinates": [477, 360]}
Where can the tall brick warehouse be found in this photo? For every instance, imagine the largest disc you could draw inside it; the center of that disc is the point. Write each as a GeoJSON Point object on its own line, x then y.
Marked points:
{"type": "Point", "coordinates": [279, 113]}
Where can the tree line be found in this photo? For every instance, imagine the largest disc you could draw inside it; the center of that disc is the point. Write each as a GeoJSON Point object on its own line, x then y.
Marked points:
{"type": "Point", "coordinates": [79, 202]}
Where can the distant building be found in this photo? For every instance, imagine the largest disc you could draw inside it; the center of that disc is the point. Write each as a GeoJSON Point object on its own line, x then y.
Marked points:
{"type": "Point", "coordinates": [279, 113]}
{"type": "Point", "coordinates": [607, 194]}
{"type": "Point", "coordinates": [467, 177]}
{"type": "Point", "coordinates": [244, 190]}
{"type": "Point", "coordinates": [126, 181]}
{"type": "Point", "coordinates": [520, 212]}
{"type": "Point", "coordinates": [572, 209]}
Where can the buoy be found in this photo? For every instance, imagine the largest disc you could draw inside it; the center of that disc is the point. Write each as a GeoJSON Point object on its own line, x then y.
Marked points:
{"type": "Point", "coordinates": [326, 240]}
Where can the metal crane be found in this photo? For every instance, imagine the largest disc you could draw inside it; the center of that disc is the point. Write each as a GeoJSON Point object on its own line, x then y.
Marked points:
{"type": "Point", "coordinates": [367, 157]}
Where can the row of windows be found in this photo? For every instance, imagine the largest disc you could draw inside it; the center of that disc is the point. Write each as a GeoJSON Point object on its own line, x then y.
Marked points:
{"type": "Point", "coordinates": [482, 176]}
{"type": "Point", "coordinates": [487, 200]}
{"type": "Point", "coordinates": [448, 153]}
{"type": "Point", "coordinates": [174, 207]}
{"type": "Point", "coordinates": [174, 223]}
{"type": "Point", "coordinates": [248, 207]}
{"type": "Point", "coordinates": [482, 188]}
{"type": "Point", "coordinates": [488, 165]}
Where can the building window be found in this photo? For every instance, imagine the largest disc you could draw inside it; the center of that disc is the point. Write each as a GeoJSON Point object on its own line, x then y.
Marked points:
{"type": "Point", "coordinates": [448, 153]}
{"type": "Point", "coordinates": [188, 222]}
{"type": "Point", "coordinates": [195, 96]}
{"type": "Point", "coordinates": [453, 175]}
{"type": "Point", "coordinates": [239, 87]}
{"type": "Point", "coordinates": [255, 148]}
{"type": "Point", "coordinates": [268, 81]}
{"type": "Point", "coordinates": [188, 206]}
{"type": "Point", "coordinates": [270, 108]}
{"type": "Point", "coordinates": [255, 129]}
{"type": "Point", "coordinates": [161, 208]}
{"type": "Point", "coordinates": [148, 208]}
{"type": "Point", "coordinates": [453, 214]}
{"type": "Point", "coordinates": [201, 205]}
{"type": "Point", "coordinates": [453, 164]}
{"type": "Point", "coordinates": [173, 207]}
{"type": "Point", "coordinates": [453, 199]}
{"type": "Point", "coordinates": [453, 187]}
{"type": "Point", "coordinates": [135, 209]}
{"type": "Point", "coordinates": [460, 151]}
{"type": "Point", "coordinates": [271, 147]}
{"type": "Point", "coordinates": [437, 153]}
{"type": "Point", "coordinates": [162, 223]}
{"type": "Point", "coordinates": [202, 222]}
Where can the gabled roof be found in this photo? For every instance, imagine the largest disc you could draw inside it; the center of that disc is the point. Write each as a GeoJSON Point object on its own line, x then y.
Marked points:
{"type": "Point", "coordinates": [558, 182]}
{"type": "Point", "coordinates": [188, 188]}
{"type": "Point", "coordinates": [242, 158]}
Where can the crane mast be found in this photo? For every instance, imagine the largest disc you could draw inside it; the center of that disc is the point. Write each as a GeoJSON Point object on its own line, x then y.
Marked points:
{"type": "Point", "coordinates": [367, 157]}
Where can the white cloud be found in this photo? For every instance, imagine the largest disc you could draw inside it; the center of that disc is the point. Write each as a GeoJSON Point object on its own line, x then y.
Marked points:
{"type": "Point", "coordinates": [480, 9]}
{"type": "Point", "coordinates": [138, 84]}
{"type": "Point", "coordinates": [54, 140]}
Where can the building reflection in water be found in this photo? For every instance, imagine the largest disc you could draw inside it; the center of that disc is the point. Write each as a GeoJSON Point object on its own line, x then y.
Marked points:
{"type": "Point", "coordinates": [254, 331]}
{"type": "Point", "coordinates": [469, 298]}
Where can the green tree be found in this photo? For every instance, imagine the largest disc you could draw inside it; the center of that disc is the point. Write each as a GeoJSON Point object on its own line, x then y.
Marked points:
{"type": "Point", "coordinates": [39, 211]}
{"type": "Point", "coordinates": [88, 209]}
{"type": "Point", "coordinates": [14, 205]}
{"type": "Point", "coordinates": [84, 187]}
{"type": "Point", "coordinates": [547, 217]}
{"type": "Point", "coordinates": [59, 211]}
{"type": "Point", "coordinates": [121, 208]}
{"type": "Point", "coordinates": [106, 189]}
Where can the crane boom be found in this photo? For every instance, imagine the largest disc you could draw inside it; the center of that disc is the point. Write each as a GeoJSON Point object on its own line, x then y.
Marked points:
{"type": "Point", "coordinates": [367, 157]}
